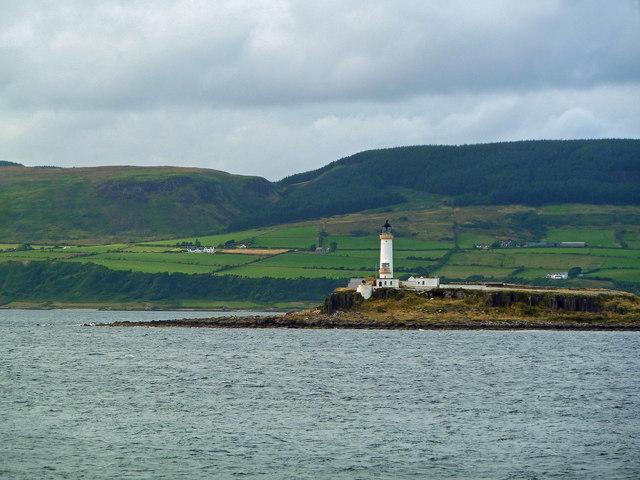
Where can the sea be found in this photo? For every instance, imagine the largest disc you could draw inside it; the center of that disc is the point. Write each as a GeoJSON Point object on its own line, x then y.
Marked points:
{"type": "Point", "coordinates": [92, 402]}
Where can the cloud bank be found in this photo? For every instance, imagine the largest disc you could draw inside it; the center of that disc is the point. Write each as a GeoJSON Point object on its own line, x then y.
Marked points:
{"type": "Point", "coordinates": [276, 87]}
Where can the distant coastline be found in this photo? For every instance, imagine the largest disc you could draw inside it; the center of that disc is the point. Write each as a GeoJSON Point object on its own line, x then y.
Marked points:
{"type": "Point", "coordinates": [151, 307]}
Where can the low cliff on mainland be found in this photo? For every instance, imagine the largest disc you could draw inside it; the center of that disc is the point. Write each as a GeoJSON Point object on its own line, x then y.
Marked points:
{"type": "Point", "coordinates": [499, 308]}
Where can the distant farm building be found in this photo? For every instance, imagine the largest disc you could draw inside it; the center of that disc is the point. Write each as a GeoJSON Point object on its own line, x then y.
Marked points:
{"type": "Point", "coordinates": [202, 250]}
{"type": "Point", "coordinates": [557, 276]}
{"type": "Point", "coordinates": [420, 283]}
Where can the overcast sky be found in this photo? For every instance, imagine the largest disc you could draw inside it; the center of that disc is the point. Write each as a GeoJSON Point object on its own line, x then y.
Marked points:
{"type": "Point", "coordinates": [277, 87]}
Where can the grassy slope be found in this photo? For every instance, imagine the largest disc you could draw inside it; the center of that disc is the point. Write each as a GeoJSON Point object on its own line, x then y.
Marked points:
{"type": "Point", "coordinates": [426, 242]}
{"type": "Point", "coordinates": [121, 203]}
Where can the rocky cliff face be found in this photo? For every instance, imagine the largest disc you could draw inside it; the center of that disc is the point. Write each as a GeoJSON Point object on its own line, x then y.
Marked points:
{"type": "Point", "coordinates": [347, 299]}
{"type": "Point", "coordinates": [342, 300]}
{"type": "Point", "coordinates": [553, 301]}
{"type": "Point", "coordinates": [568, 302]}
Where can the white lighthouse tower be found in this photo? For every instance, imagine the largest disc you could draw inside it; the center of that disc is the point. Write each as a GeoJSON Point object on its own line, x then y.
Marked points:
{"type": "Point", "coordinates": [385, 277]}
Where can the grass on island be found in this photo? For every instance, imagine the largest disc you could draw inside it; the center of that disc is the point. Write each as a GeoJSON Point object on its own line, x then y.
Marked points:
{"type": "Point", "coordinates": [617, 309]}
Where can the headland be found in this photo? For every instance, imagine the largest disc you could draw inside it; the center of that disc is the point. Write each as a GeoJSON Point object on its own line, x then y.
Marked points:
{"type": "Point", "coordinates": [493, 308]}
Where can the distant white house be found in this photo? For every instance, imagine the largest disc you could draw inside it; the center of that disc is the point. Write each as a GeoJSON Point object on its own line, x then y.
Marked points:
{"type": "Point", "coordinates": [557, 276]}
{"type": "Point", "coordinates": [202, 250]}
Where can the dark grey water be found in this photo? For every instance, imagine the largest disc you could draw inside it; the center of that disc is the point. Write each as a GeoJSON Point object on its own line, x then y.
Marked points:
{"type": "Point", "coordinates": [84, 402]}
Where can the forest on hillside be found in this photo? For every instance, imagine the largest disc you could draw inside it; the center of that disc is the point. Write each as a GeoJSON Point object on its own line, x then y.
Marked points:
{"type": "Point", "coordinates": [528, 172]}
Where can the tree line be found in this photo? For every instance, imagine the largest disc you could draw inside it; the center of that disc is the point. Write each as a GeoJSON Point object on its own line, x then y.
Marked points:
{"type": "Point", "coordinates": [66, 281]}
{"type": "Point", "coordinates": [528, 172]}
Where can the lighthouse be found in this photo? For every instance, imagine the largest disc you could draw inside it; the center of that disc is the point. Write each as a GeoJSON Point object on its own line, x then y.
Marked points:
{"type": "Point", "coordinates": [384, 279]}
{"type": "Point", "coordinates": [386, 251]}
{"type": "Point", "coordinates": [385, 274]}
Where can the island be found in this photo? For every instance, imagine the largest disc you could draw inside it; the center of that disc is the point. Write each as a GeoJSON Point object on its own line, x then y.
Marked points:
{"type": "Point", "coordinates": [495, 308]}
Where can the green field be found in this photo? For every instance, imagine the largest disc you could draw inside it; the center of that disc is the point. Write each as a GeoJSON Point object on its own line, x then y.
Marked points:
{"type": "Point", "coordinates": [425, 244]}
{"type": "Point", "coordinates": [595, 237]}
{"type": "Point", "coordinates": [469, 239]}
{"type": "Point", "coordinates": [276, 271]}
{"type": "Point", "coordinates": [466, 271]}
{"type": "Point", "coordinates": [632, 238]}
{"type": "Point", "coordinates": [169, 262]}
{"type": "Point", "coordinates": [619, 274]}
{"type": "Point", "coordinates": [36, 255]}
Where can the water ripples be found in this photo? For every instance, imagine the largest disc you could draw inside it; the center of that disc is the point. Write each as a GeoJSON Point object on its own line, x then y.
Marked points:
{"type": "Point", "coordinates": [83, 402]}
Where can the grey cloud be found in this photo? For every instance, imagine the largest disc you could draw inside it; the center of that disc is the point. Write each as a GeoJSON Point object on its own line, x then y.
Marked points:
{"type": "Point", "coordinates": [272, 87]}
{"type": "Point", "coordinates": [280, 141]}
{"type": "Point", "coordinates": [143, 54]}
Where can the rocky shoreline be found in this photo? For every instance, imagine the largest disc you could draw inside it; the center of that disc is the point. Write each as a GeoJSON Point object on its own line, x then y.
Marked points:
{"type": "Point", "coordinates": [320, 322]}
{"type": "Point", "coordinates": [513, 309]}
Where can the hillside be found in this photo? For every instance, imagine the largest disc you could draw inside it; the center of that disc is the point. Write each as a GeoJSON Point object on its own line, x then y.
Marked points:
{"type": "Point", "coordinates": [122, 203]}
{"type": "Point", "coordinates": [527, 172]}
{"type": "Point", "coordinates": [130, 204]}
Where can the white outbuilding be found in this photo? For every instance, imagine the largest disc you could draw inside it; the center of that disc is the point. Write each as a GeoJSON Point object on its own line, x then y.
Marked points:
{"type": "Point", "coordinates": [421, 283]}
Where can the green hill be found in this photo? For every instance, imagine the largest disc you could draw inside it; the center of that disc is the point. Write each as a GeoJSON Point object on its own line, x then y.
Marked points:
{"type": "Point", "coordinates": [41, 205]}
{"type": "Point", "coordinates": [527, 172]}
{"type": "Point", "coordinates": [49, 205]}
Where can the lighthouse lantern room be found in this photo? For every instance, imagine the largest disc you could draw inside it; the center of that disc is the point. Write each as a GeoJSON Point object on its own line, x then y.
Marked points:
{"type": "Point", "coordinates": [385, 277]}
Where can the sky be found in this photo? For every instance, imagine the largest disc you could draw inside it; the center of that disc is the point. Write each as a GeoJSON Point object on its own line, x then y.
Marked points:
{"type": "Point", "coordinates": [275, 87]}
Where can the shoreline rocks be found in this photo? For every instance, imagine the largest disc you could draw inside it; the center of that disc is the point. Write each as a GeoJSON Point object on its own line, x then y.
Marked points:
{"type": "Point", "coordinates": [389, 309]}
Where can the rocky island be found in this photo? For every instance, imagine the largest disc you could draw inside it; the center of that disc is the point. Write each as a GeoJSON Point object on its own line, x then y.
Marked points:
{"type": "Point", "coordinates": [497, 308]}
